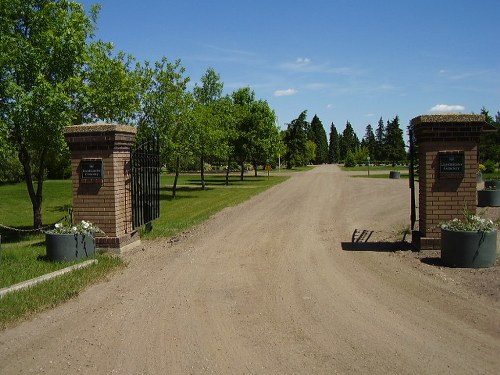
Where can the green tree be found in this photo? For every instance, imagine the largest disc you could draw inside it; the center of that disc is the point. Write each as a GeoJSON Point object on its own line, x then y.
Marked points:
{"type": "Point", "coordinates": [369, 141]}
{"type": "Point", "coordinates": [394, 142]}
{"type": "Point", "coordinates": [110, 89]}
{"type": "Point", "coordinates": [206, 97]}
{"type": "Point", "coordinates": [310, 152]}
{"type": "Point", "coordinates": [265, 140]}
{"type": "Point", "coordinates": [42, 52]}
{"type": "Point", "coordinates": [349, 141]}
{"type": "Point", "coordinates": [334, 145]}
{"type": "Point", "coordinates": [295, 139]}
{"type": "Point", "coordinates": [489, 147]}
{"type": "Point", "coordinates": [319, 138]}
{"type": "Point", "coordinates": [11, 170]}
{"type": "Point", "coordinates": [243, 100]}
{"type": "Point", "coordinates": [257, 139]}
{"type": "Point", "coordinates": [167, 110]}
{"type": "Point", "coordinates": [380, 133]}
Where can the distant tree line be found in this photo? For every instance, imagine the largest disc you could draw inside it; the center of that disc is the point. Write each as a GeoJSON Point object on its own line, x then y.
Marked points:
{"type": "Point", "coordinates": [305, 143]}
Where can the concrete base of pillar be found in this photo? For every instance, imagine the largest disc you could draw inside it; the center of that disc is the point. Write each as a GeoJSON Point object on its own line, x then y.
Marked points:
{"type": "Point", "coordinates": [425, 243]}
{"type": "Point", "coordinates": [118, 245]}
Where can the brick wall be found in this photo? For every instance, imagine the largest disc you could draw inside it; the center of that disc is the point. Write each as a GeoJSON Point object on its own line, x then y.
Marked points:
{"type": "Point", "coordinates": [442, 199]}
{"type": "Point", "coordinates": [444, 196]}
{"type": "Point", "coordinates": [107, 202]}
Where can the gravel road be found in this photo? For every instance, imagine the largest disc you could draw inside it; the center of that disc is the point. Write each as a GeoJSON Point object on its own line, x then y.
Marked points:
{"type": "Point", "coordinates": [275, 286]}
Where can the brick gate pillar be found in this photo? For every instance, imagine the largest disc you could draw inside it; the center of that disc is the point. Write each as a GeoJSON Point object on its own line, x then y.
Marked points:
{"type": "Point", "coordinates": [448, 164]}
{"type": "Point", "coordinates": [100, 163]}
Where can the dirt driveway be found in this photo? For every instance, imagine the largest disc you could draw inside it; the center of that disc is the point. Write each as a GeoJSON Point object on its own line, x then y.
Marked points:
{"type": "Point", "coordinates": [273, 286]}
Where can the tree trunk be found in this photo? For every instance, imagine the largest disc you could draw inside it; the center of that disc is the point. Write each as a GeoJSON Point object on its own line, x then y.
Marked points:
{"type": "Point", "coordinates": [177, 167]}
{"type": "Point", "coordinates": [227, 172]}
{"type": "Point", "coordinates": [35, 197]}
{"type": "Point", "coordinates": [202, 173]}
{"type": "Point", "coordinates": [255, 168]}
{"type": "Point", "coordinates": [242, 170]}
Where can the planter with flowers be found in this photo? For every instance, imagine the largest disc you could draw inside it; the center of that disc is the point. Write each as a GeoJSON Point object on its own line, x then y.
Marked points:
{"type": "Point", "coordinates": [68, 242]}
{"type": "Point", "coordinates": [470, 243]}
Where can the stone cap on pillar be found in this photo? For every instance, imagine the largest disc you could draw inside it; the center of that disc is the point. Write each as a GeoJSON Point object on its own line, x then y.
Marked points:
{"type": "Point", "coordinates": [449, 127]}
{"type": "Point", "coordinates": [96, 136]}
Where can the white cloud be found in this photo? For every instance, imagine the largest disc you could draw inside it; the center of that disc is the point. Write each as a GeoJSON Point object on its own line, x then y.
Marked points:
{"type": "Point", "coordinates": [447, 108]}
{"type": "Point", "coordinates": [287, 92]}
{"type": "Point", "coordinates": [302, 61]}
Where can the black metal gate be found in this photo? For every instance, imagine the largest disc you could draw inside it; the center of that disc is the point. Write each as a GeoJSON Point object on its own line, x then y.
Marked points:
{"type": "Point", "coordinates": [145, 168]}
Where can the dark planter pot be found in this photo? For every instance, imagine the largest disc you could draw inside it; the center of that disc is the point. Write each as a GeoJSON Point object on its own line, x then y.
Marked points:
{"type": "Point", "coordinates": [468, 249]}
{"type": "Point", "coordinates": [394, 174]}
{"type": "Point", "coordinates": [67, 247]}
{"type": "Point", "coordinates": [492, 184]}
{"type": "Point", "coordinates": [488, 198]}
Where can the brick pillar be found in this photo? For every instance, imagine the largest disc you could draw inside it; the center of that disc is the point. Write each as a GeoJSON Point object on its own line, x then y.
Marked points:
{"type": "Point", "coordinates": [448, 163]}
{"type": "Point", "coordinates": [100, 163]}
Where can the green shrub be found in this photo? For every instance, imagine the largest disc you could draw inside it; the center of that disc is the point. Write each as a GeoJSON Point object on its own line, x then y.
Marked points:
{"type": "Point", "coordinates": [350, 160]}
{"type": "Point", "coordinates": [489, 166]}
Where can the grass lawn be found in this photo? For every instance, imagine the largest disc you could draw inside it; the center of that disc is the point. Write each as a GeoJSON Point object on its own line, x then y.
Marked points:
{"type": "Point", "coordinates": [364, 168]}
{"type": "Point", "coordinates": [378, 171]}
{"type": "Point", "coordinates": [22, 256]}
{"type": "Point", "coordinates": [16, 210]}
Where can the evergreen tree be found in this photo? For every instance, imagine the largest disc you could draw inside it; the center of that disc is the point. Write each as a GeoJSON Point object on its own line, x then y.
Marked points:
{"type": "Point", "coordinates": [349, 141]}
{"type": "Point", "coordinates": [333, 146]}
{"type": "Point", "coordinates": [369, 141]}
{"type": "Point", "coordinates": [394, 142]}
{"type": "Point", "coordinates": [319, 138]}
{"type": "Point", "coordinates": [379, 153]}
{"type": "Point", "coordinates": [295, 140]}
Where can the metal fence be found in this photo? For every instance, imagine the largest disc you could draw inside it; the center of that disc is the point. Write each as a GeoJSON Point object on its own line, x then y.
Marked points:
{"type": "Point", "coordinates": [145, 170]}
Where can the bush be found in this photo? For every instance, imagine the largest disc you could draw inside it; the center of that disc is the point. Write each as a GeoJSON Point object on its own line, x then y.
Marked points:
{"type": "Point", "coordinates": [489, 166]}
{"type": "Point", "coordinates": [350, 160]}
{"type": "Point", "coordinates": [11, 169]}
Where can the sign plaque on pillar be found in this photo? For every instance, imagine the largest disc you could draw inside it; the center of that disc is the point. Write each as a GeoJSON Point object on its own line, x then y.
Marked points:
{"type": "Point", "coordinates": [451, 164]}
{"type": "Point", "coordinates": [91, 171]}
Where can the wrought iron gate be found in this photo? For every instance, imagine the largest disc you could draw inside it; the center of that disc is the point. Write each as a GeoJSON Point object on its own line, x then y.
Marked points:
{"type": "Point", "coordinates": [145, 168]}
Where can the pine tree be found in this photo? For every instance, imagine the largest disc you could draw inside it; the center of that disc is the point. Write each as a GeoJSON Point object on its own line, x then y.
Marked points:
{"type": "Point", "coordinates": [295, 140]}
{"type": "Point", "coordinates": [394, 142]}
{"type": "Point", "coordinates": [379, 153]}
{"type": "Point", "coordinates": [333, 146]}
{"type": "Point", "coordinates": [349, 141]}
{"type": "Point", "coordinates": [319, 138]}
{"type": "Point", "coordinates": [369, 141]}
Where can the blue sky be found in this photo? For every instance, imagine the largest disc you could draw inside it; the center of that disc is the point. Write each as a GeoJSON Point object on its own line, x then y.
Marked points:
{"type": "Point", "coordinates": [344, 60]}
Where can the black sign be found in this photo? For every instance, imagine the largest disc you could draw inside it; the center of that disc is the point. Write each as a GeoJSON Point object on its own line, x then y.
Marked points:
{"type": "Point", "coordinates": [91, 170]}
{"type": "Point", "coordinates": [451, 164]}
